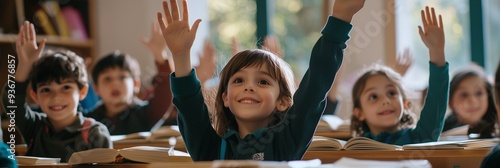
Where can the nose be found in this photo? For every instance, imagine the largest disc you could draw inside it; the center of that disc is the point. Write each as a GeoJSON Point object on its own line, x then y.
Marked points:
{"type": "Point", "coordinates": [56, 96]}
{"type": "Point", "coordinates": [249, 87]}
{"type": "Point", "coordinates": [386, 101]}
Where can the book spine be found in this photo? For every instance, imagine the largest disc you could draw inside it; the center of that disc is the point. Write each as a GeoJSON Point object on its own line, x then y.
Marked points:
{"type": "Point", "coordinates": [44, 21]}
{"type": "Point", "coordinates": [75, 23]}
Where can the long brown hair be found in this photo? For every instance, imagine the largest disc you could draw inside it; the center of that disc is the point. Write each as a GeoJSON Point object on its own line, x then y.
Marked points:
{"type": "Point", "coordinates": [277, 68]}
{"type": "Point", "coordinates": [359, 127]}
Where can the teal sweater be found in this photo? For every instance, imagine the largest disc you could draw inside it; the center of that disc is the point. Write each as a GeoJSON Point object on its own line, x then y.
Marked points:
{"type": "Point", "coordinates": [288, 140]}
{"type": "Point", "coordinates": [431, 120]}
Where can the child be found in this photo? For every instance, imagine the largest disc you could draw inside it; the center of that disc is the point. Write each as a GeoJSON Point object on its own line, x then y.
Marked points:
{"type": "Point", "coordinates": [381, 108]}
{"type": "Point", "coordinates": [117, 81]}
{"type": "Point", "coordinates": [255, 116]}
{"type": "Point", "coordinates": [58, 81]}
{"type": "Point", "coordinates": [492, 159]}
{"type": "Point", "coordinates": [471, 102]}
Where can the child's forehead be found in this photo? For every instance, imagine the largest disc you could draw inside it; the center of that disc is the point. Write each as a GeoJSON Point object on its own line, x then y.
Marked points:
{"type": "Point", "coordinates": [66, 81]}
{"type": "Point", "coordinates": [115, 70]}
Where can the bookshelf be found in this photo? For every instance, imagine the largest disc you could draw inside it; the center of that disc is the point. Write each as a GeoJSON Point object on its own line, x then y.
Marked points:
{"type": "Point", "coordinates": [14, 12]}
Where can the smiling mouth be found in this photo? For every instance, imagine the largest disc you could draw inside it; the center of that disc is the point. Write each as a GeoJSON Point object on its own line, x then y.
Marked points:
{"type": "Point", "coordinates": [387, 112]}
{"type": "Point", "coordinates": [57, 108]}
{"type": "Point", "coordinates": [248, 101]}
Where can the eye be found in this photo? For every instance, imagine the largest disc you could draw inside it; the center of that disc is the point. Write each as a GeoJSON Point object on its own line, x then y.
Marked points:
{"type": "Point", "coordinates": [67, 87]}
{"type": "Point", "coordinates": [479, 93]}
{"type": "Point", "coordinates": [107, 79]}
{"type": "Point", "coordinates": [372, 97]}
{"type": "Point", "coordinates": [392, 93]}
{"type": "Point", "coordinates": [263, 82]}
{"type": "Point", "coordinates": [44, 90]}
{"type": "Point", "coordinates": [238, 80]}
{"type": "Point", "coordinates": [123, 77]}
{"type": "Point", "coordinates": [464, 95]}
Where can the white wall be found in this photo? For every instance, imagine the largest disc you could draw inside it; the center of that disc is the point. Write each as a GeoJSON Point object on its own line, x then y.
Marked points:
{"type": "Point", "coordinates": [122, 23]}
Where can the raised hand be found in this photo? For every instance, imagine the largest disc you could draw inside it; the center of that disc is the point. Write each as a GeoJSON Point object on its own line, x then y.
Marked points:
{"type": "Point", "coordinates": [207, 66]}
{"type": "Point", "coordinates": [178, 35]}
{"type": "Point", "coordinates": [433, 36]}
{"type": "Point", "coordinates": [403, 62]}
{"type": "Point", "coordinates": [156, 43]}
{"type": "Point", "coordinates": [27, 50]}
{"type": "Point", "coordinates": [272, 44]}
{"type": "Point", "coordinates": [345, 9]}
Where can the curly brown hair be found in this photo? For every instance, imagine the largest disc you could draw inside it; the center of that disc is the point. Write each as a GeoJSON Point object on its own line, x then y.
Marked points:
{"type": "Point", "coordinates": [358, 127]}
{"type": "Point", "coordinates": [277, 68]}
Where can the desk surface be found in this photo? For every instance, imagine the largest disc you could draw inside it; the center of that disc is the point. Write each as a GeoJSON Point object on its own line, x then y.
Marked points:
{"type": "Point", "coordinates": [438, 158]}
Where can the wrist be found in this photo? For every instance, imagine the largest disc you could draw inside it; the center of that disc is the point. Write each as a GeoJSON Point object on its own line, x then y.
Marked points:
{"type": "Point", "coordinates": [344, 16]}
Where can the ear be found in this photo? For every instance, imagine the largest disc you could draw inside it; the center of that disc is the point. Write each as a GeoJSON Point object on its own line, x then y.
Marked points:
{"type": "Point", "coordinates": [406, 103]}
{"type": "Point", "coordinates": [225, 99]}
{"type": "Point", "coordinates": [137, 85]}
{"type": "Point", "coordinates": [84, 91]}
{"type": "Point", "coordinates": [33, 96]}
{"type": "Point", "coordinates": [282, 104]}
{"type": "Point", "coordinates": [358, 114]}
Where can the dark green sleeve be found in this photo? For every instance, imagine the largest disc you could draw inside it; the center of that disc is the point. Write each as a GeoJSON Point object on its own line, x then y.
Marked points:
{"type": "Point", "coordinates": [200, 138]}
{"type": "Point", "coordinates": [431, 120]}
{"type": "Point", "coordinates": [309, 99]}
{"type": "Point", "coordinates": [6, 158]}
{"type": "Point", "coordinates": [492, 160]}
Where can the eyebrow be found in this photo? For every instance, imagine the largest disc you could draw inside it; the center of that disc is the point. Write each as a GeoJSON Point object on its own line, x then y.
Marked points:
{"type": "Point", "coordinates": [65, 81]}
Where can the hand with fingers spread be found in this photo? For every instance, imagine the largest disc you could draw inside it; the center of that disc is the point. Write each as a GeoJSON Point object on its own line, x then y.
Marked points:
{"type": "Point", "coordinates": [272, 44]}
{"type": "Point", "coordinates": [207, 67]}
{"type": "Point", "coordinates": [432, 35]}
{"type": "Point", "coordinates": [178, 35]}
{"type": "Point", "coordinates": [27, 50]}
{"type": "Point", "coordinates": [156, 44]}
{"type": "Point", "coordinates": [403, 62]}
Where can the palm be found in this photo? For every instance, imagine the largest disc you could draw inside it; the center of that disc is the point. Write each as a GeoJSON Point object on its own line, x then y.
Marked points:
{"type": "Point", "coordinates": [27, 49]}
{"type": "Point", "coordinates": [432, 33]}
{"type": "Point", "coordinates": [178, 36]}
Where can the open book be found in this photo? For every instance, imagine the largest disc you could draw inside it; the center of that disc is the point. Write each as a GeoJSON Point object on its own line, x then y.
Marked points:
{"type": "Point", "coordinates": [332, 123]}
{"type": "Point", "coordinates": [356, 143]}
{"type": "Point", "coordinates": [146, 154]}
{"type": "Point", "coordinates": [33, 160]}
{"type": "Point", "coordinates": [465, 144]}
{"type": "Point", "coordinates": [164, 132]}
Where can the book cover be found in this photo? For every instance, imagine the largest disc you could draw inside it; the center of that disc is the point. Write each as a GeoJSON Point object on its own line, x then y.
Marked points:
{"type": "Point", "coordinates": [75, 23]}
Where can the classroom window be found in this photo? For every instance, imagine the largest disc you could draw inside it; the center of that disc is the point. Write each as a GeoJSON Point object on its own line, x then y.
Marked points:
{"type": "Point", "coordinates": [296, 23]}
{"type": "Point", "coordinates": [491, 20]}
{"type": "Point", "coordinates": [455, 15]}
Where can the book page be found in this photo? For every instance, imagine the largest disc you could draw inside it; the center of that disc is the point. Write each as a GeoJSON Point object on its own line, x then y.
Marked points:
{"type": "Point", "coordinates": [362, 143]}
{"type": "Point", "coordinates": [33, 160]}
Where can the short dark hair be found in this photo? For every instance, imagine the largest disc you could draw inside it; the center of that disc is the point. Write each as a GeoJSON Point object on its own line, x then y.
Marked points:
{"type": "Point", "coordinates": [116, 59]}
{"type": "Point", "coordinates": [58, 66]}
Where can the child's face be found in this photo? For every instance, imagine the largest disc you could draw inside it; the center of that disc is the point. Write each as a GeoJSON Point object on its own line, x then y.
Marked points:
{"type": "Point", "coordinates": [381, 104]}
{"type": "Point", "coordinates": [59, 101]}
{"type": "Point", "coordinates": [252, 95]}
{"type": "Point", "coordinates": [470, 100]}
{"type": "Point", "coordinates": [116, 86]}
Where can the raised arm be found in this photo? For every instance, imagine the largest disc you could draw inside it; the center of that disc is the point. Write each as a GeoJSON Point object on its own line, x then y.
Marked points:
{"type": "Point", "coordinates": [403, 62]}
{"type": "Point", "coordinates": [178, 35]}
{"type": "Point", "coordinates": [431, 120]}
{"type": "Point", "coordinates": [162, 95]}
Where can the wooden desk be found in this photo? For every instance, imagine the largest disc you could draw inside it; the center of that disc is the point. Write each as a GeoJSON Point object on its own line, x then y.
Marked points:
{"type": "Point", "coordinates": [437, 158]}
